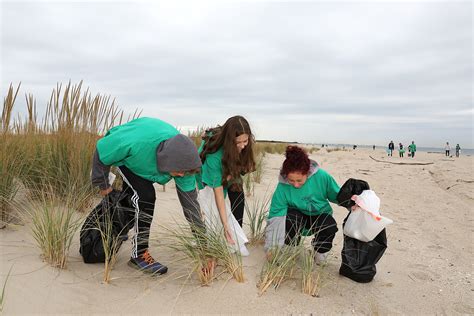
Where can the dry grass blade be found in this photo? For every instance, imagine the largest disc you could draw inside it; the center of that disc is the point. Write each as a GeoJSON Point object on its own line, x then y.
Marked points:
{"type": "Point", "coordinates": [2, 295]}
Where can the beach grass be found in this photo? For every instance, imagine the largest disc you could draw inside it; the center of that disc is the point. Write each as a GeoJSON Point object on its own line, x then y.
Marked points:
{"type": "Point", "coordinates": [257, 212]}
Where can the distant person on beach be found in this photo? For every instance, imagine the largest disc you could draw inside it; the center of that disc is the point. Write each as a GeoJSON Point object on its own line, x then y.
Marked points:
{"type": "Point", "coordinates": [458, 150]}
{"type": "Point", "coordinates": [447, 149]}
{"type": "Point", "coordinates": [373, 147]}
{"type": "Point", "coordinates": [226, 154]}
{"type": "Point", "coordinates": [412, 149]}
{"type": "Point", "coordinates": [300, 204]}
{"type": "Point", "coordinates": [147, 151]}
{"type": "Point", "coordinates": [401, 150]}
{"type": "Point", "coordinates": [391, 148]}
{"type": "Point", "coordinates": [354, 147]}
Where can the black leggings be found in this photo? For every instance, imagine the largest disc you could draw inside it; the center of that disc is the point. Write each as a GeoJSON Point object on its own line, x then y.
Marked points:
{"type": "Point", "coordinates": [143, 200]}
{"type": "Point", "coordinates": [323, 226]}
{"type": "Point", "coordinates": [237, 204]}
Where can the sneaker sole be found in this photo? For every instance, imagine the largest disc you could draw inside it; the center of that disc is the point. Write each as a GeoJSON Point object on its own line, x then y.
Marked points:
{"type": "Point", "coordinates": [160, 272]}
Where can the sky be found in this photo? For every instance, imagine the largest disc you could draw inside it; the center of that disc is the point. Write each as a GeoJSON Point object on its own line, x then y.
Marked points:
{"type": "Point", "coordinates": [348, 72]}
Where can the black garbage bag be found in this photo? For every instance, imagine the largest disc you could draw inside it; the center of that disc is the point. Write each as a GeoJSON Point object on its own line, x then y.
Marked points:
{"type": "Point", "coordinates": [358, 257]}
{"type": "Point", "coordinates": [115, 208]}
{"type": "Point", "coordinates": [348, 189]}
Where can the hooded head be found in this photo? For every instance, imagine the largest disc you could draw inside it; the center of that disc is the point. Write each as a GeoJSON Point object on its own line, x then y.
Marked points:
{"type": "Point", "coordinates": [177, 154]}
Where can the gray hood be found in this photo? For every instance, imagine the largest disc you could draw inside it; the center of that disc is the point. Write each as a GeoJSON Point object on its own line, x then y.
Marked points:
{"type": "Point", "coordinates": [177, 154]}
{"type": "Point", "coordinates": [313, 168]}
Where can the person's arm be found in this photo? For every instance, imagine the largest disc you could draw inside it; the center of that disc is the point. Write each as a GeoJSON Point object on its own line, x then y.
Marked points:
{"type": "Point", "coordinates": [100, 175]}
{"type": "Point", "coordinates": [110, 149]}
{"type": "Point", "coordinates": [191, 209]}
{"type": "Point", "coordinates": [275, 230]}
{"type": "Point", "coordinates": [219, 197]}
{"type": "Point", "coordinates": [332, 189]}
{"type": "Point", "coordinates": [212, 177]}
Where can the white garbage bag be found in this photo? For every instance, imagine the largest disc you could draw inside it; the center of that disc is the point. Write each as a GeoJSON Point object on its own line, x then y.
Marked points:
{"type": "Point", "coordinates": [212, 219]}
{"type": "Point", "coordinates": [365, 222]}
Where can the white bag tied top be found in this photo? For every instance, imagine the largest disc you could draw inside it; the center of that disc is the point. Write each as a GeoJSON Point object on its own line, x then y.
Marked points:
{"type": "Point", "coordinates": [369, 202]}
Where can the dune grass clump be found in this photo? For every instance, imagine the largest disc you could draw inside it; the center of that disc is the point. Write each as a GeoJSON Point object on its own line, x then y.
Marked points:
{"type": "Point", "coordinates": [53, 222]}
{"type": "Point", "coordinates": [257, 212]}
{"type": "Point", "coordinates": [196, 135]}
{"type": "Point", "coordinates": [335, 149]}
{"type": "Point", "coordinates": [12, 157]}
{"type": "Point", "coordinates": [311, 274]}
{"type": "Point", "coordinates": [280, 266]}
{"type": "Point", "coordinates": [205, 248]}
{"type": "Point", "coordinates": [259, 168]}
{"type": "Point", "coordinates": [194, 245]}
{"type": "Point", "coordinates": [111, 243]}
{"type": "Point", "coordinates": [53, 154]}
{"type": "Point", "coordinates": [269, 147]}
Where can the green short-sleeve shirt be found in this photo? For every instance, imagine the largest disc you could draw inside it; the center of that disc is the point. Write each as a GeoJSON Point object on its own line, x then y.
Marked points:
{"type": "Point", "coordinates": [212, 170]}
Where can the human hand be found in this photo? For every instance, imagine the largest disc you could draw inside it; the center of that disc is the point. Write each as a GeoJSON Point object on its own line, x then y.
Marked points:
{"type": "Point", "coordinates": [105, 191]}
{"type": "Point", "coordinates": [228, 236]}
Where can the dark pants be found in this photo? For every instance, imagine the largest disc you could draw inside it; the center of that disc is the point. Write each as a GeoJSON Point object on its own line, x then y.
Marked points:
{"type": "Point", "coordinates": [447, 153]}
{"type": "Point", "coordinates": [143, 199]}
{"type": "Point", "coordinates": [412, 154]}
{"type": "Point", "coordinates": [323, 226]}
{"type": "Point", "coordinates": [237, 204]}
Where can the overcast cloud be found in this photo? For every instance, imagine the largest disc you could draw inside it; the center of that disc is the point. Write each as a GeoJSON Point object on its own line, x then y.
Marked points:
{"type": "Point", "coordinates": [323, 72]}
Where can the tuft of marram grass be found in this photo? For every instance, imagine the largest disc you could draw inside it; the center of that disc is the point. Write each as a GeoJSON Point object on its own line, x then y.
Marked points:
{"type": "Point", "coordinates": [257, 212]}
{"type": "Point", "coordinates": [205, 248]}
{"type": "Point", "coordinates": [279, 267]}
{"type": "Point", "coordinates": [311, 279]}
{"type": "Point", "coordinates": [53, 223]}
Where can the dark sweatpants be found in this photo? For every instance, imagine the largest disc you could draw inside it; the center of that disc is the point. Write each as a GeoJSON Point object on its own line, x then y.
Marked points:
{"type": "Point", "coordinates": [237, 204]}
{"type": "Point", "coordinates": [143, 200]}
{"type": "Point", "coordinates": [323, 226]}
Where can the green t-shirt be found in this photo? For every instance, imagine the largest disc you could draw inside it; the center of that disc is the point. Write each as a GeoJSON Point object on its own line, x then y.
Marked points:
{"type": "Point", "coordinates": [312, 198]}
{"type": "Point", "coordinates": [211, 171]}
{"type": "Point", "coordinates": [134, 145]}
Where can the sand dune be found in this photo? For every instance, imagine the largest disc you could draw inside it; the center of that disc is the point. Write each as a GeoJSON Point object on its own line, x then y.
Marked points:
{"type": "Point", "coordinates": [427, 268]}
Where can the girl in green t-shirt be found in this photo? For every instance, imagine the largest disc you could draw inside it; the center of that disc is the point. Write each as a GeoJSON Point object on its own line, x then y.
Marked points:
{"type": "Point", "coordinates": [226, 155]}
{"type": "Point", "coordinates": [300, 205]}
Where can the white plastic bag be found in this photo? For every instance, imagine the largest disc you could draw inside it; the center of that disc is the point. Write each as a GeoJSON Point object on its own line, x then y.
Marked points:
{"type": "Point", "coordinates": [365, 222]}
{"type": "Point", "coordinates": [212, 219]}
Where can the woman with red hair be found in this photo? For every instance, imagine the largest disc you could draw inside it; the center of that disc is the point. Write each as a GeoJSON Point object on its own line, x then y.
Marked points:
{"type": "Point", "coordinates": [300, 205]}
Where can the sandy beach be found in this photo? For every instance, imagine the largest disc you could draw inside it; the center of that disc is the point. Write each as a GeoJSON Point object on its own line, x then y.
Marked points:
{"type": "Point", "coordinates": [426, 269]}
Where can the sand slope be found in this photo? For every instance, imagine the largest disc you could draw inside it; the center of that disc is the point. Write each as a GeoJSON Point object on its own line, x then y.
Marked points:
{"type": "Point", "coordinates": [427, 268]}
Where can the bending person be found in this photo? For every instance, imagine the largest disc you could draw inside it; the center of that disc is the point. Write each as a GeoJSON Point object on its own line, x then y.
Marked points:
{"type": "Point", "coordinates": [148, 151]}
{"type": "Point", "coordinates": [300, 205]}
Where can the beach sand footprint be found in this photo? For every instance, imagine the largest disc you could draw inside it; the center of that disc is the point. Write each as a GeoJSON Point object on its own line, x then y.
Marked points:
{"type": "Point", "coordinates": [422, 272]}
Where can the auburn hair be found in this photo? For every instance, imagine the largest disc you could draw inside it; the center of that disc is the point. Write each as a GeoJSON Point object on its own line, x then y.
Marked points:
{"type": "Point", "coordinates": [297, 160]}
{"type": "Point", "coordinates": [234, 164]}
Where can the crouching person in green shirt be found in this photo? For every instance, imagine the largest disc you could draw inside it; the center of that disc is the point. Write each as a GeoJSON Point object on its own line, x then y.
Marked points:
{"type": "Point", "coordinates": [146, 151]}
{"type": "Point", "coordinates": [300, 205]}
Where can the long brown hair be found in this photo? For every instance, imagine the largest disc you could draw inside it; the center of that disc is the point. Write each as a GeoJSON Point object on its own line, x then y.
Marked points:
{"type": "Point", "coordinates": [234, 163]}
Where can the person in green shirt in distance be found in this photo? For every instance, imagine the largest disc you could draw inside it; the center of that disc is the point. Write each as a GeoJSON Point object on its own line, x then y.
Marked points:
{"type": "Point", "coordinates": [301, 202]}
{"type": "Point", "coordinates": [226, 155]}
{"type": "Point", "coordinates": [412, 149]}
